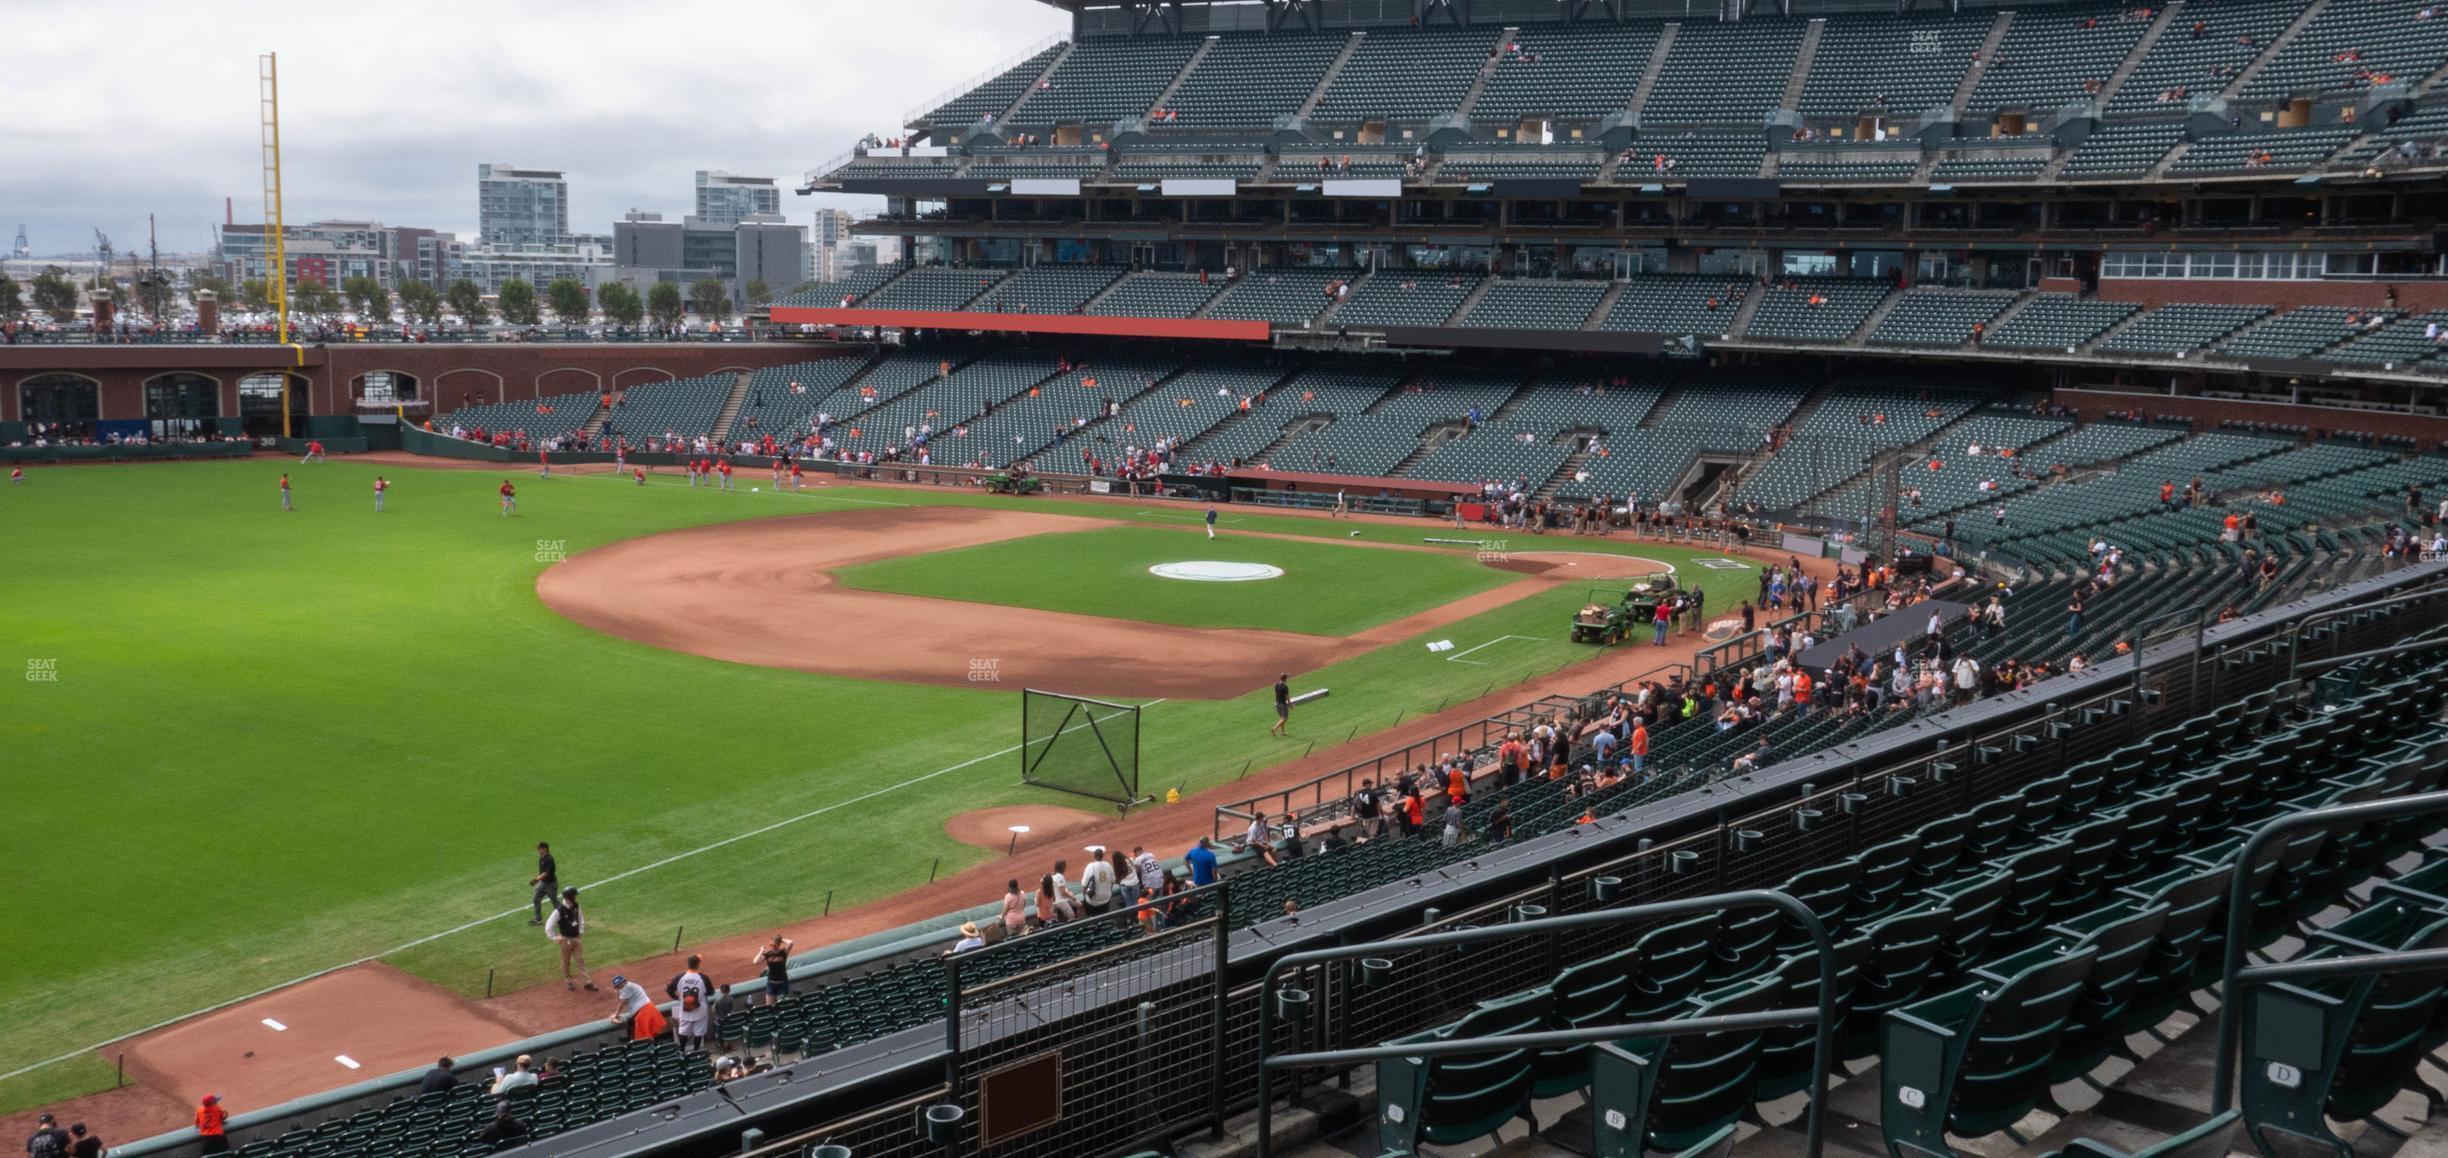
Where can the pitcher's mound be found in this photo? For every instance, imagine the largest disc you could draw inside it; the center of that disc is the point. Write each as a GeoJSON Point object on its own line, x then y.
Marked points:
{"type": "Point", "coordinates": [1048, 824]}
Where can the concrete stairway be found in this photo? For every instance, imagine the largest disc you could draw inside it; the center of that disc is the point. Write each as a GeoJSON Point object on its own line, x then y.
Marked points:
{"type": "Point", "coordinates": [1180, 78]}
{"type": "Point", "coordinates": [1470, 100]}
{"type": "Point", "coordinates": [2142, 48]}
{"type": "Point", "coordinates": [1803, 59]}
{"type": "Point", "coordinates": [1861, 337]}
{"type": "Point", "coordinates": [1742, 317]}
{"type": "Point", "coordinates": [731, 407]}
{"type": "Point", "coordinates": [1472, 302]}
{"type": "Point", "coordinates": [1988, 54]}
{"type": "Point", "coordinates": [1656, 65]}
{"type": "Point", "coordinates": [1606, 305]}
{"type": "Point", "coordinates": [1334, 70]}
{"type": "Point", "coordinates": [1034, 85]}
{"type": "Point", "coordinates": [2277, 44]}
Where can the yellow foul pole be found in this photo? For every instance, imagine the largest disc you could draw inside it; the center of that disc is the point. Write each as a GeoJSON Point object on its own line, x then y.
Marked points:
{"type": "Point", "coordinates": [276, 279]}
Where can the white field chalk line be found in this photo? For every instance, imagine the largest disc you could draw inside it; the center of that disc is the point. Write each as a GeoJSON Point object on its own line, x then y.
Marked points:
{"type": "Point", "coordinates": [1670, 568]}
{"type": "Point", "coordinates": [1457, 656]}
{"type": "Point", "coordinates": [348, 1061]}
{"type": "Point", "coordinates": [465, 926]}
{"type": "Point", "coordinates": [276, 1026]}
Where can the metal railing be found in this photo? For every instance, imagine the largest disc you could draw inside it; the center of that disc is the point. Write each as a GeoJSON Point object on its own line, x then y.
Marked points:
{"type": "Point", "coordinates": [1821, 1016]}
{"type": "Point", "coordinates": [830, 165]}
{"type": "Point", "coordinates": [2233, 973]}
{"type": "Point", "coordinates": [962, 89]}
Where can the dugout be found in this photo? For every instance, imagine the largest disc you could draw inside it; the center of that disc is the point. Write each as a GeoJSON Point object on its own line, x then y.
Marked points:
{"type": "Point", "coordinates": [1388, 496]}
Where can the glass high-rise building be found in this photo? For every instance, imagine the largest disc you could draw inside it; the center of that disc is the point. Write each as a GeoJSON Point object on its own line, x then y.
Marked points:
{"type": "Point", "coordinates": [723, 199]}
{"type": "Point", "coordinates": [517, 206]}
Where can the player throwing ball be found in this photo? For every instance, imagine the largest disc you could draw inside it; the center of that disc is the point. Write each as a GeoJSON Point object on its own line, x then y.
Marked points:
{"type": "Point", "coordinates": [509, 497]}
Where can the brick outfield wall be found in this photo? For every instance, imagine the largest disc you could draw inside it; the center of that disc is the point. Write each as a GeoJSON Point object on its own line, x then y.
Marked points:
{"type": "Point", "coordinates": [2209, 413]}
{"type": "Point", "coordinates": [448, 375]}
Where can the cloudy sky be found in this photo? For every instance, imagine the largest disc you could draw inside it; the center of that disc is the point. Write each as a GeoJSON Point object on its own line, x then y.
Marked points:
{"type": "Point", "coordinates": [150, 106]}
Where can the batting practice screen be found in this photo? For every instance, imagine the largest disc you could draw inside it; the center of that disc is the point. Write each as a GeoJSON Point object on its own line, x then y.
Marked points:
{"type": "Point", "coordinates": [1075, 744]}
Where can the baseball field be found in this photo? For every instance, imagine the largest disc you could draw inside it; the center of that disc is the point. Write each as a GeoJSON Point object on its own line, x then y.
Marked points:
{"type": "Point", "coordinates": [252, 744]}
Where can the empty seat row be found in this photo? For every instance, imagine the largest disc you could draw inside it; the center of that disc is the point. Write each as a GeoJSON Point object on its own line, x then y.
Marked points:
{"type": "Point", "coordinates": [2180, 328]}
{"type": "Point", "coordinates": [1938, 317]}
{"type": "Point", "coordinates": [2057, 321]}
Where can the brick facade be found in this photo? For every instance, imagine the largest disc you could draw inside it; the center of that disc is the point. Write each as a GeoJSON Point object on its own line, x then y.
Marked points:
{"type": "Point", "coordinates": [449, 375]}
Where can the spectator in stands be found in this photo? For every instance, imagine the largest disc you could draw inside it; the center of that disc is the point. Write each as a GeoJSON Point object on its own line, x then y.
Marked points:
{"type": "Point", "coordinates": [521, 1074]}
{"type": "Point", "coordinates": [1053, 907]}
{"type": "Point", "coordinates": [1096, 884]}
{"type": "Point", "coordinates": [212, 1126]}
{"type": "Point", "coordinates": [1367, 812]}
{"type": "Point", "coordinates": [632, 1008]}
{"type": "Point", "coordinates": [1202, 862]}
{"type": "Point", "coordinates": [48, 1140]}
{"type": "Point", "coordinates": [693, 1012]}
{"type": "Point", "coordinates": [504, 1131]}
{"type": "Point", "coordinates": [1126, 880]}
{"type": "Point", "coordinates": [775, 957]}
{"type": "Point", "coordinates": [83, 1144]}
{"type": "Point", "coordinates": [438, 1079]}
{"type": "Point", "coordinates": [1015, 909]}
{"type": "Point", "coordinates": [970, 938]}
{"type": "Point", "coordinates": [1255, 838]}
{"type": "Point", "coordinates": [1753, 759]}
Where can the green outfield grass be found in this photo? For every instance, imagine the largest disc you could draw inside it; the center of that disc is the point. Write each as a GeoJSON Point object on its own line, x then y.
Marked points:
{"type": "Point", "coordinates": [1326, 588]}
{"type": "Point", "coordinates": [277, 742]}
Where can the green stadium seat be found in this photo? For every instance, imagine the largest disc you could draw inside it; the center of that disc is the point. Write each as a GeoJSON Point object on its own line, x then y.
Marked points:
{"type": "Point", "coordinates": [2340, 1050]}
{"type": "Point", "coordinates": [1590, 994]}
{"type": "Point", "coordinates": [1672, 1093]}
{"type": "Point", "coordinates": [1450, 1099]}
{"type": "Point", "coordinates": [1974, 1060]}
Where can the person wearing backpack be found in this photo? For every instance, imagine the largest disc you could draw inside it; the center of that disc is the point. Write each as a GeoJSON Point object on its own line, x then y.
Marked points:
{"type": "Point", "coordinates": [693, 1015]}
{"type": "Point", "coordinates": [48, 1140]}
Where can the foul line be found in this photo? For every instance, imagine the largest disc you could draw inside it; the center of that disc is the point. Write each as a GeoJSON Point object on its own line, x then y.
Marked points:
{"type": "Point", "coordinates": [482, 921]}
{"type": "Point", "coordinates": [1457, 656]}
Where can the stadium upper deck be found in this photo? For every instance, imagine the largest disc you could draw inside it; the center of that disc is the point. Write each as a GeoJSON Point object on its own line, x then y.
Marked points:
{"type": "Point", "coordinates": [1262, 94]}
{"type": "Point", "coordinates": [1310, 172]}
